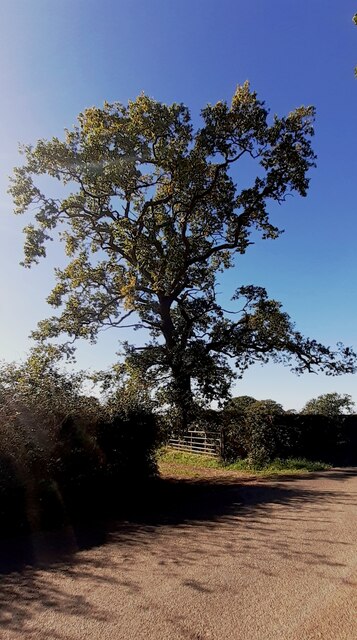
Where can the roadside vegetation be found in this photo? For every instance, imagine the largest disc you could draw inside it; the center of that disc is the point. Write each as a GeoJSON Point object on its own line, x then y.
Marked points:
{"type": "Point", "coordinates": [181, 463]}
{"type": "Point", "coordinates": [68, 456]}
{"type": "Point", "coordinates": [260, 431]}
{"type": "Point", "coordinates": [64, 455]}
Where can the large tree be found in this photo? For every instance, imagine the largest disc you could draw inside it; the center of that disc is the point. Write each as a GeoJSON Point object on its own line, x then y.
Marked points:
{"type": "Point", "coordinates": [150, 214]}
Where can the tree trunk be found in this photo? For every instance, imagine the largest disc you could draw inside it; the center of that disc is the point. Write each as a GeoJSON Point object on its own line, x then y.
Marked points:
{"type": "Point", "coordinates": [182, 396]}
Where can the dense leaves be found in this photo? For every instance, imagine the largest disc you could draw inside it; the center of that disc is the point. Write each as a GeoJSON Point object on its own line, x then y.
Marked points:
{"type": "Point", "coordinates": [249, 429]}
{"type": "Point", "coordinates": [330, 404]}
{"type": "Point", "coordinates": [63, 454]}
{"type": "Point", "coordinates": [260, 431]}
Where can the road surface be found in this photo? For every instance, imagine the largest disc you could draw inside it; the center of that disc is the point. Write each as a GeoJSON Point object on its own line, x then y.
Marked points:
{"type": "Point", "coordinates": [224, 560]}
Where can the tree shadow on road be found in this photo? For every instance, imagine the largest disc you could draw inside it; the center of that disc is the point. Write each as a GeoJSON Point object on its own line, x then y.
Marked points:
{"type": "Point", "coordinates": [252, 518]}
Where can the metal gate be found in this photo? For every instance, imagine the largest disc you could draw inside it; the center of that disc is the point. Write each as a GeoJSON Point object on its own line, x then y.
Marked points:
{"type": "Point", "coordinates": [204, 442]}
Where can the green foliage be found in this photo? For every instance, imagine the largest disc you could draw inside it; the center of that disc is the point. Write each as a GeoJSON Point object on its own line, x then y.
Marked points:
{"type": "Point", "coordinates": [150, 214]}
{"type": "Point", "coordinates": [295, 465]}
{"type": "Point", "coordinates": [62, 453]}
{"type": "Point", "coordinates": [35, 400]}
{"type": "Point", "coordinates": [330, 405]}
{"type": "Point", "coordinates": [260, 430]}
{"type": "Point", "coordinates": [239, 404]}
{"type": "Point", "coordinates": [250, 429]}
{"type": "Point", "coordinates": [263, 437]}
{"type": "Point", "coordinates": [40, 385]}
{"type": "Point", "coordinates": [195, 460]}
{"type": "Point", "coordinates": [264, 408]}
{"type": "Point", "coordinates": [276, 466]}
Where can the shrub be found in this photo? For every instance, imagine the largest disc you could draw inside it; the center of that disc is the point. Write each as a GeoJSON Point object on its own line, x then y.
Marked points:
{"type": "Point", "coordinates": [261, 437]}
{"type": "Point", "coordinates": [62, 458]}
{"type": "Point", "coordinates": [251, 430]}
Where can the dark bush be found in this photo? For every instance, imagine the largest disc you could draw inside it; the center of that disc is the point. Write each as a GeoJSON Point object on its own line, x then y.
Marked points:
{"type": "Point", "coordinates": [69, 458]}
{"type": "Point", "coordinates": [128, 442]}
{"type": "Point", "coordinates": [252, 430]}
{"type": "Point", "coordinates": [13, 516]}
{"type": "Point", "coordinates": [261, 437]}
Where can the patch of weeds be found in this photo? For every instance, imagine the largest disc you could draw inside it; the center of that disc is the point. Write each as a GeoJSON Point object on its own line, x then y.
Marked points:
{"type": "Point", "coordinates": [277, 466]}
{"type": "Point", "coordinates": [197, 460]}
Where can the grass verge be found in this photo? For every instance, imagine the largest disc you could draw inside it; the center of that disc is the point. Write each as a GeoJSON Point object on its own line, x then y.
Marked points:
{"type": "Point", "coordinates": [170, 459]}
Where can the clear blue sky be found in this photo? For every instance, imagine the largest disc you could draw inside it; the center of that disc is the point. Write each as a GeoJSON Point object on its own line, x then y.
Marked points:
{"type": "Point", "coordinates": [57, 58]}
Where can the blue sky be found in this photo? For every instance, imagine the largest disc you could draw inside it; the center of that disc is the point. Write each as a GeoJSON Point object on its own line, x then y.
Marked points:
{"type": "Point", "coordinates": [57, 58]}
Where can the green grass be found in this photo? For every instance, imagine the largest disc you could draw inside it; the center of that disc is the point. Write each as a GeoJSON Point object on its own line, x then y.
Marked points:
{"type": "Point", "coordinates": [195, 460]}
{"type": "Point", "coordinates": [277, 466]}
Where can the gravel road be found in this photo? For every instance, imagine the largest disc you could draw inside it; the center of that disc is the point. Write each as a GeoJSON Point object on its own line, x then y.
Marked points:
{"type": "Point", "coordinates": [227, 559]}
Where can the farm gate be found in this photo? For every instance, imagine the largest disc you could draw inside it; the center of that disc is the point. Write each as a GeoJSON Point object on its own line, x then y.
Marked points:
{"type": "Point", "coordinates": [204, 442]}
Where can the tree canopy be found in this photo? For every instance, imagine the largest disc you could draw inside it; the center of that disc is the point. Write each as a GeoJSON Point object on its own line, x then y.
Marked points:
{"type": "Point", "coordinates": [245, 405]}
{"type": "Point", "coordinates": [239, 404]}
{"type": "Point", "coordinates": [149, 213]}
{"type": "Point", "coordinates": [330, 404]}
{"type": "Point", "coordinates": [265, 407]}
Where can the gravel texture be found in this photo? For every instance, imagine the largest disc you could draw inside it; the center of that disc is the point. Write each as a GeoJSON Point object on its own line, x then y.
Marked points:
{"type": "Point", "coordinates": [221, 559]}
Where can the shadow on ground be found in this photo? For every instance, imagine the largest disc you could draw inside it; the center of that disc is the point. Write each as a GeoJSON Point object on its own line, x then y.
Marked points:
{"type": "Point", "coordinates": [168, 502]}
{"type": "Point", "coordinates": [185, 506]}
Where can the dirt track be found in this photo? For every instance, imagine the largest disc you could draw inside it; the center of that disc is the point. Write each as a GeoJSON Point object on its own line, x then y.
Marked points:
{"type": "Point", "coordinates": [228, 560]}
